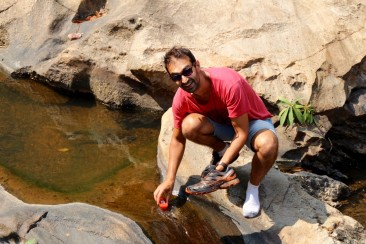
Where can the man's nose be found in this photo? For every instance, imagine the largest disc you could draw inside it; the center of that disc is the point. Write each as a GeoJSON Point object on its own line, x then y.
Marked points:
{"type": "Point", "coordinates": [184, 79]}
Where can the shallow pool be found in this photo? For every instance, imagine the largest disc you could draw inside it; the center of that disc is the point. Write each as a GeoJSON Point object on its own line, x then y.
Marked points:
{"type": "Point", "coordinates": [57, 148]}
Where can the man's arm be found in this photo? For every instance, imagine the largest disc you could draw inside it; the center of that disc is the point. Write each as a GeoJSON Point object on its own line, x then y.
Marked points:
{"type": "Point", "coordinates": [176, 150]}
{"type": "Point", "coordinates": [241, 128]}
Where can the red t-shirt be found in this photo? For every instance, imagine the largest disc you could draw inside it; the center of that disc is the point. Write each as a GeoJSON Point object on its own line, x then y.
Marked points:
{"type": "Point", "coordinates": [231, 96]}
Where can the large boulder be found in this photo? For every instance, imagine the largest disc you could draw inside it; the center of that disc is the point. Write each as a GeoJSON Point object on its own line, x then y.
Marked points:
{"type": "Point", "coordinates": [68, 223]}
{"type": "Point", "coordinates": [288, 213]}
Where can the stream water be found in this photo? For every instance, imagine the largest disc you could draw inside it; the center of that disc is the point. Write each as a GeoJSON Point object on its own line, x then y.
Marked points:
{"type": "Point", "coordinates": [57, 148]}
{"type": "Point", "coordinates": [355, 205]}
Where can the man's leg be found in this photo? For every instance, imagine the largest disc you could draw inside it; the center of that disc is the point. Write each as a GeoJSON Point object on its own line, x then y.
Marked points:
{"type": "Point", "coordinates": [265, 146]}
{"type": "Point", "coordinates": [197, 128]}
{"type": "Point", "coordinates": [201, 130]}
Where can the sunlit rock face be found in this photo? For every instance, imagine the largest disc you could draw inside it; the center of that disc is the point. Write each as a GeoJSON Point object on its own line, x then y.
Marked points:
{"type": "Point", "coordinates": [292, 49]}
{"type": "Point", "coordinates": [313, 51]}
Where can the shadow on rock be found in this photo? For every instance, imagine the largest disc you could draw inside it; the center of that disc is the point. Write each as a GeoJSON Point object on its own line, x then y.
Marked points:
{"type": "Point", "coordinates": [88, 8]}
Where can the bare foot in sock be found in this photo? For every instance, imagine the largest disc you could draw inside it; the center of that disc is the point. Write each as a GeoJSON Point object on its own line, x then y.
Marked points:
{"type": "Point", "coordinates": [252, 205]}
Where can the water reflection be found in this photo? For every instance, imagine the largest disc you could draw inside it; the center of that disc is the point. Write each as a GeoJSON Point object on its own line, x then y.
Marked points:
{"type": "Point", "coordinates": [54, 142]}
{"type": "Point", "coordinates": [355, 205]}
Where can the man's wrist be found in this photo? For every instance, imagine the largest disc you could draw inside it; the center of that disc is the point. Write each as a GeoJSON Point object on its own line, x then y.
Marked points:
{"type": "Point", "coordinates": [222, 164]}
{"type": "Point", "coordinates": [170, 180]}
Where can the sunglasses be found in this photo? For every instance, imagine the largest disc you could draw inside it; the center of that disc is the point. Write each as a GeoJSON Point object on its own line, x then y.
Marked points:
{"type": "Point", "coordinates": [187, 71]}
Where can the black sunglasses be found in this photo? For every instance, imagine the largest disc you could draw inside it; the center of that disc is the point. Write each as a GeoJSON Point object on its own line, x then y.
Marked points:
{"type": "Point", "coordinates": [187, 71]}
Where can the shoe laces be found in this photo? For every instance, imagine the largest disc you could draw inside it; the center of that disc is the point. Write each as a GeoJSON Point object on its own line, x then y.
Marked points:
{"type": "Point", "coordinates": [214, 172]}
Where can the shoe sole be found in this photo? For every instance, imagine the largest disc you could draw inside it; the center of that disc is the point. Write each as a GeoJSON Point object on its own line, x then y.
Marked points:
{"type": "Point", "coordinates": [225, 185]}
{"type": "Point", "coordinates": [229, 184]}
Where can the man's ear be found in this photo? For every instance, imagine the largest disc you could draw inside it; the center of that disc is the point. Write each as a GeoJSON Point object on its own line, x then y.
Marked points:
{"type": "Point", "coordinates": [198, 64]}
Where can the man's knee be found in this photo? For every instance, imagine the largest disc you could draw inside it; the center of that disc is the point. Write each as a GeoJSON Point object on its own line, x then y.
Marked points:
{"type": "Point", "coordinates": [192, 126]}
{"type": "Point", "coordinates": [266, 144]}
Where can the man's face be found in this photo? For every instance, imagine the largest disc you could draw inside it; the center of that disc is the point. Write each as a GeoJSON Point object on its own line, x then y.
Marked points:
{"type": "Point", "coordinates": [184, 74]}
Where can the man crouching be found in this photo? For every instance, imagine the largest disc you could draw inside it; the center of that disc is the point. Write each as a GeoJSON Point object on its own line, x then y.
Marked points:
{"type": "Point", "coordinates": [216, 107]}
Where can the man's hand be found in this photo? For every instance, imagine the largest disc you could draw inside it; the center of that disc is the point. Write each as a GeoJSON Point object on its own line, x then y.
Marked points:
{"type": "Point", "coordinates": [176, 150]}
{"type": "Point", "coordinates": [163, 190]}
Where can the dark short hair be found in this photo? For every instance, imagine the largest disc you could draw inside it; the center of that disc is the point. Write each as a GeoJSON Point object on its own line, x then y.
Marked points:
{"type": "Point", "coordinates": [178, 52]}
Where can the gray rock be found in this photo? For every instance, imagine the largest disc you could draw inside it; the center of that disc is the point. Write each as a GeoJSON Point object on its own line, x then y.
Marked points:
{"type": "Point", "coordinates": [322, 187]}
{"type": "Point", "coordinates": [66, 223]}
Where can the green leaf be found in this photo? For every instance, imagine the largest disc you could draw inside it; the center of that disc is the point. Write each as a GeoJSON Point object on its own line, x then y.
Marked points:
{"type": "Point", "coordinates": [311, 119]}
{"type": "Point", "coordinates": [299, 106]}
{"type": "Point", "coordinates": [282, 111]}
{"type": "Point", "coordinates": [298, 115]}
{"type": "Point", "coordinates": [283, 100]}
{"type": "Point", "coordinates": [284, 116]}
{"type": "Point", "coordinates": [305, 116]}
{"type": "Point", "coordinates": [291, 116]}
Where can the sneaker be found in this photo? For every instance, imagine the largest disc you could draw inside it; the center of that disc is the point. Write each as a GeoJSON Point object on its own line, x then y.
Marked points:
{"type": "Point", "coordinates": [213, 181]}
{"type": "Point", "coordinates": [214, 160]}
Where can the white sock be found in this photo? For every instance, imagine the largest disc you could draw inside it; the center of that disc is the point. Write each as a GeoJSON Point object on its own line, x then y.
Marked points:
{"type": "Point", "coordinates": [252, 205]}
{"type": "Point", "coordinates": [222, 152]}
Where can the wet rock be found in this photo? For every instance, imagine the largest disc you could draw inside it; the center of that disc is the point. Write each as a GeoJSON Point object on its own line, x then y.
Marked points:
{"type": "Point", "coordinates": [22, 73]}
{"type": "Point", "coordinates": [67, 223]}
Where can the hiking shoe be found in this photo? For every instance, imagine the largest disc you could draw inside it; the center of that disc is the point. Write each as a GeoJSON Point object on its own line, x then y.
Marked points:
{"type": "Point", "coordinates": [213, 181]}
{"type": "Point", "coordinates": [213, 163]}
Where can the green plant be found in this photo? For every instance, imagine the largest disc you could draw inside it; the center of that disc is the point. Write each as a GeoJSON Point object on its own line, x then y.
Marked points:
{"type": "Point", "coordinates": [294, 111]}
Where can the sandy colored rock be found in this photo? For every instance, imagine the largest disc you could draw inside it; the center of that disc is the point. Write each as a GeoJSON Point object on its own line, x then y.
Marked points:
{"type": "Point", "coordinates": [289, 49]}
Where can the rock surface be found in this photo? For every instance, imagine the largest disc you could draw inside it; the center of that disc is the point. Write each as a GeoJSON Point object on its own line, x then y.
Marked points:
{"type": "Point", "coordinates": [322, 187]}
{"type": "Point", "coordinates": [288, 213]}
{"type": "Point", "coordinates": [287, 49]}
{"type": "Point", "coordinates": [68, 223]}
{"type": "Point", "coordinates": [314, 51]}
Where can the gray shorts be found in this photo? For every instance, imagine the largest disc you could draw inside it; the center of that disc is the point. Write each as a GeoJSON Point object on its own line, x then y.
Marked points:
{"type": "Point", "coordinates": [226, 132]}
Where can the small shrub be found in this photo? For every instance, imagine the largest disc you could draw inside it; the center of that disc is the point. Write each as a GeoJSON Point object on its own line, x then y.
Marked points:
{"type": "Point", "coordinates": [295, 112]}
